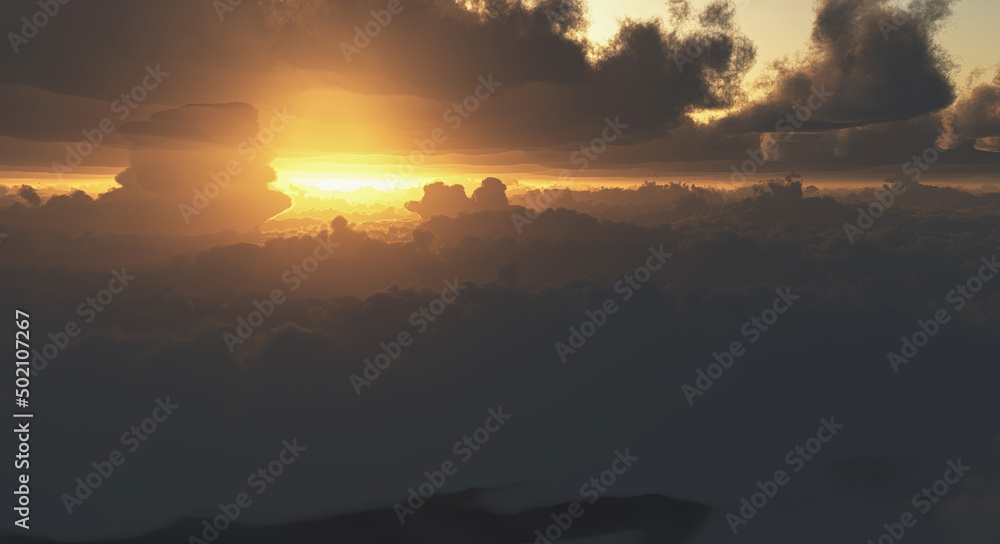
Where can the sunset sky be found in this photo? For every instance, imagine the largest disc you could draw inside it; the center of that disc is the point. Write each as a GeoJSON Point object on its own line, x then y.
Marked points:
{"type": "Point", "coordinates": [356, 120]}
{"type": "Point", "coordinates": [502, 271]}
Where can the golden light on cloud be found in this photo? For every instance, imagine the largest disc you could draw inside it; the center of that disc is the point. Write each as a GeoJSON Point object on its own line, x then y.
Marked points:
{"type": "Point", "coordinates": [356, 128]}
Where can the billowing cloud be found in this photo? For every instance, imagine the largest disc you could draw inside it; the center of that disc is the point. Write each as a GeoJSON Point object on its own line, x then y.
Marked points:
{"type": "Point", "coordinates": [868, 62]}
{"type": "Point", "coordinates": [494, 346]}
{"type": "Point", "coordinates": [538, 53]}
{"type": "Point", "coordinates": [194, 170]}
{"type": "Point", "coordinates": [442, 199]}
{"type": "Point", "coordinates": [977, 116]}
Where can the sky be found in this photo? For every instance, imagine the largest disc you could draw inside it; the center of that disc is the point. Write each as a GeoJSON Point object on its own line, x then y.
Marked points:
{"type": "Point", "coordinates": [358, 115]}
{"type": "Point", "coordinates": [781, 27]}
{"type": "Point", "coordinates": [690, 237]}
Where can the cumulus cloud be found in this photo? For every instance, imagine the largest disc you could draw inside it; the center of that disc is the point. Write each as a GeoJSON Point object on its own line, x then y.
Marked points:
{"type": "Point", "coordinates": [552, 89]}
{"type": "Point", "coordinates": [451, 200]}
{"type": "Point", "coordinates": [622, 389]}
{"type": "Point", "coordinates": [880, 62]}
{"type": "Point", "coordinates": [29, 195]}
{"type": "Point", "coordinates": [200, 271]}
{"type": "Point", "coordinates": [977, 116]}
{"type": "Point", "coordinates": [193, 170]}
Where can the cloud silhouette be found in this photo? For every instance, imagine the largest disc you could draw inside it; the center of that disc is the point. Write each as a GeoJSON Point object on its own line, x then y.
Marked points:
{"type": "Point", "coordinates": [879, 62]}
{"type": "Point", "coordinates": [193, 170]}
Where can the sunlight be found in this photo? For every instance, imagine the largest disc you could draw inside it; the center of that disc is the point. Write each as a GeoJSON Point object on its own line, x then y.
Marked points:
{"type": "Point", "coordinates": [328, 182]}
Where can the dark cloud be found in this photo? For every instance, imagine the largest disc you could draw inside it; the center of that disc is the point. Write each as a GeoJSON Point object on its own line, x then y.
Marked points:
{"type": "Point", "coordinates": [528, 269]}
{"type": "Point", "coordinates": [440, 199]}
{"type": "Point", "coordinates": [494, 345]}
{"type": "Point", "coordinates": [173, 186]}
{"type": "Point", "coordinates": [448, 517]}
{"type": "Point", "coordinates": [450, 200]}
{"type": "Point", "coordinates": [226, 124]}
{"type": "Point", "coordinates": [29, 195]}
{"type": "Point", "coordinates": [977, 116]}
{"type": "Point", "coordinates": [895, 144]}
{"type": "Point", "coordinates": [537, 52]}
{"type": "Point", "coordinates": [490, 195]}
{"type": "Point", "coordinates": [879, 61]}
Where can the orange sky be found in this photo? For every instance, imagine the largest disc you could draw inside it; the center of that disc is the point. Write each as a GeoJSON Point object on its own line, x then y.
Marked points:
{"type": "Point", "coordinates": [344, 137]}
